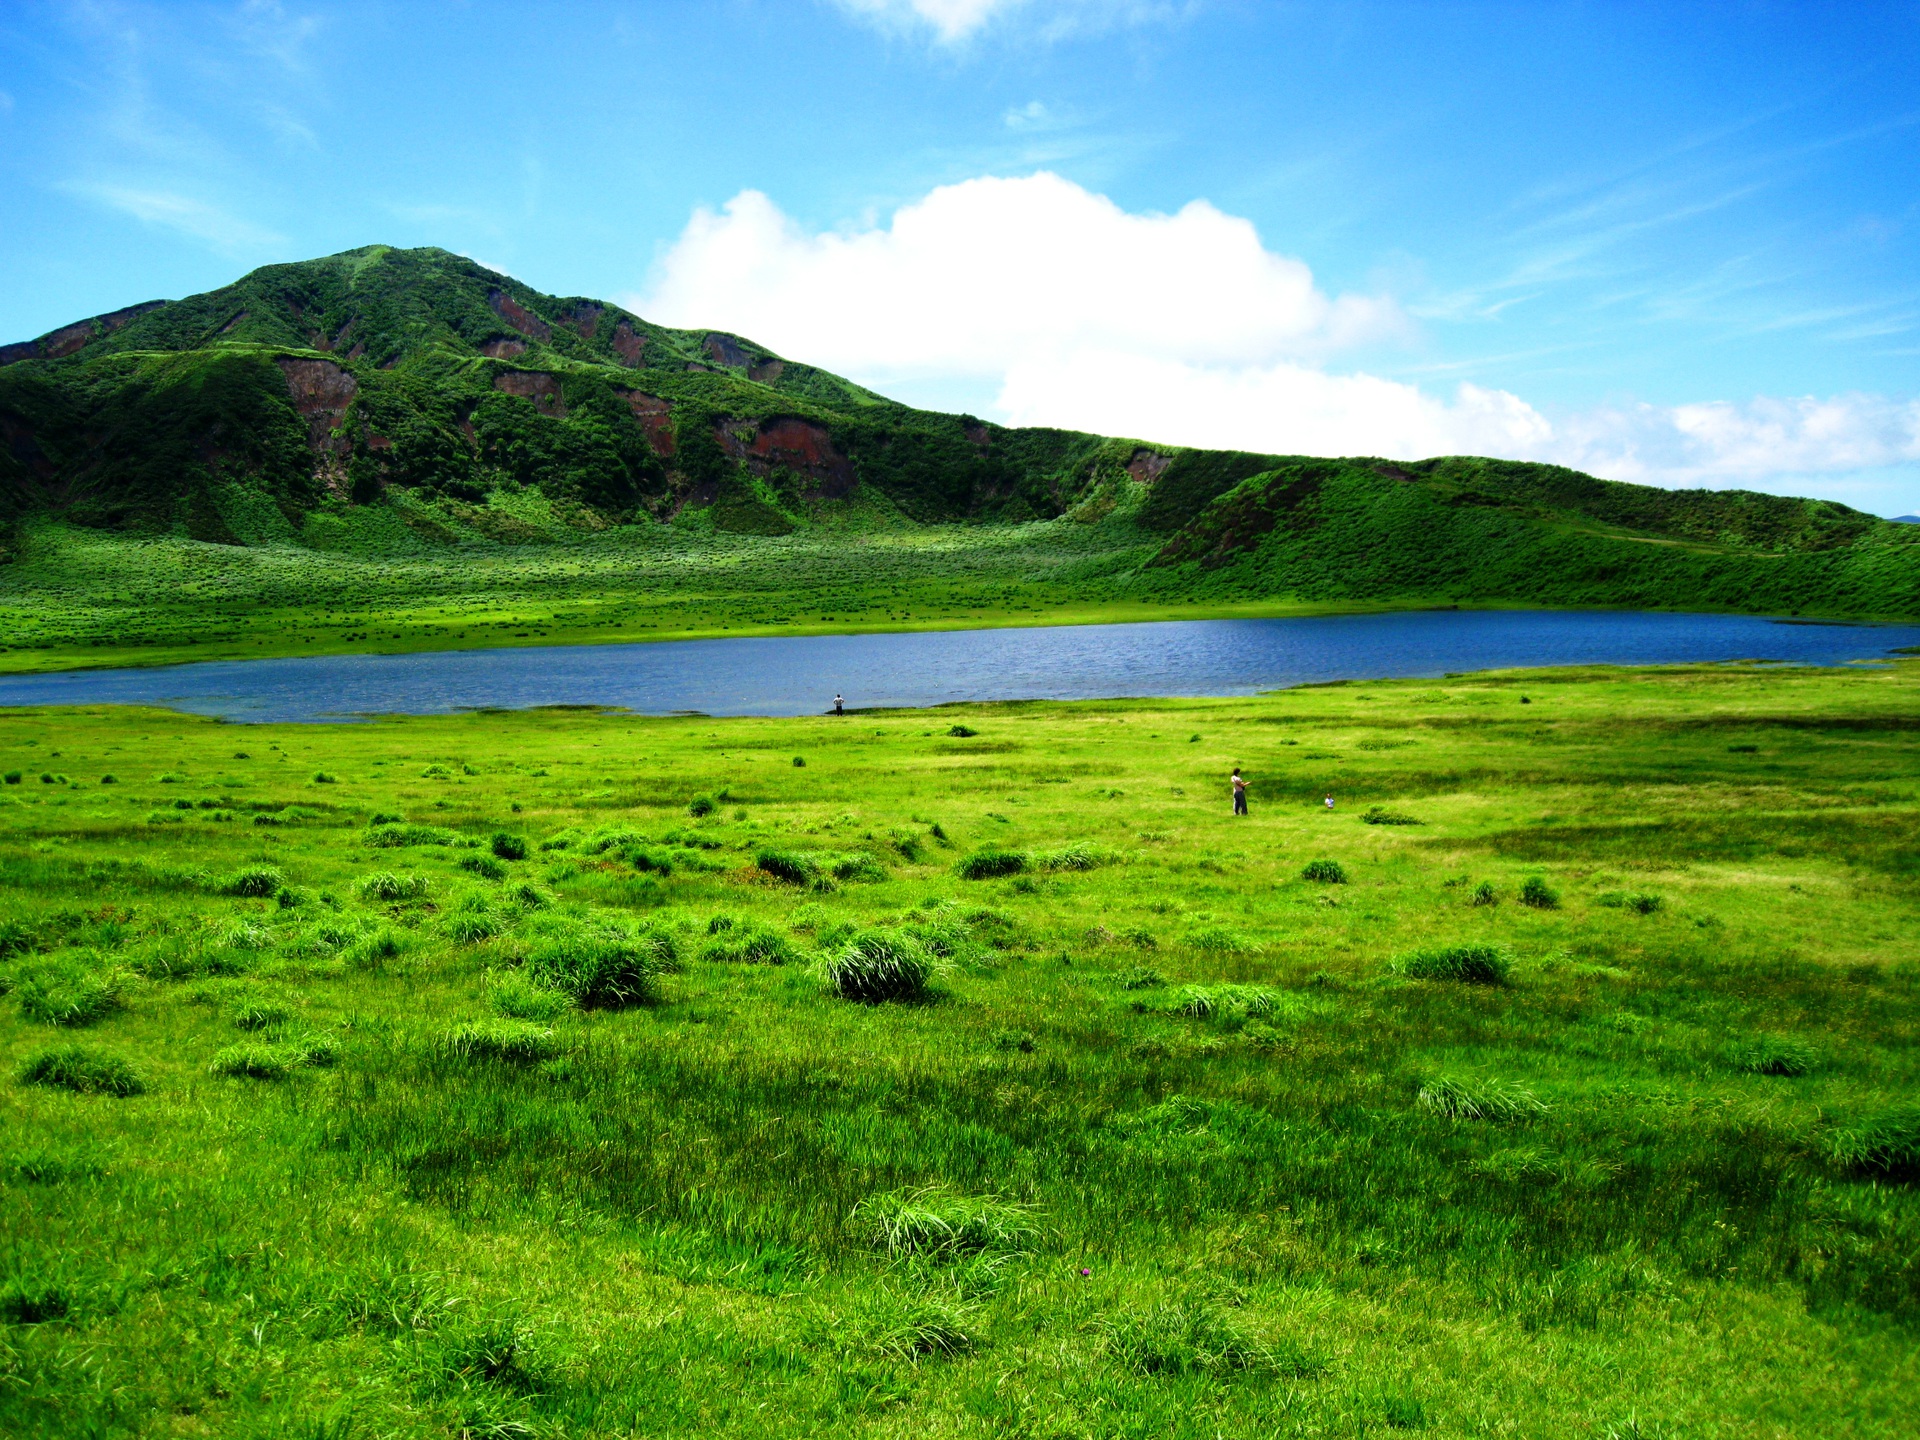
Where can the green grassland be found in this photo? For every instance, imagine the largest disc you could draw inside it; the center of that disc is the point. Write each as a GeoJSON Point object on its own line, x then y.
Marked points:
{"type": "Point", "coordinates": [972, 1071]}
{"type": "Point", "coordinates": [401, 450]}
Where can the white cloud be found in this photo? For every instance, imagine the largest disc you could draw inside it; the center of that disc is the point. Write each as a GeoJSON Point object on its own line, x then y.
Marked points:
{"type": "Point", "coordinates": [190, 217]}
{"type": "Point", "coordinates": [953, 21]}
{"type": "Point", "coordinates": [1185, 329]}
{"type": "Point", "coordinates": [992, 271]}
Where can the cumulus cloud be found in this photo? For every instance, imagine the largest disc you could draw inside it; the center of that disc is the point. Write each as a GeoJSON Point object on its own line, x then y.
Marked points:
{"type": "Point", "coordinates": [992, 270]}
{"type": "Point", "coordinates": [1186, 329]}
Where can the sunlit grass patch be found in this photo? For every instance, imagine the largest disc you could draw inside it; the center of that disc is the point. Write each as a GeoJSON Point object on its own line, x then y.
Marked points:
{"type": "Point", "coordinates": [84, 1070]}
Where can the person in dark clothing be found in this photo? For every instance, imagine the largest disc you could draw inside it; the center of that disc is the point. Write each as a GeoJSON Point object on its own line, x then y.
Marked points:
{"type": "Point", "coordinates": [1239, 792]}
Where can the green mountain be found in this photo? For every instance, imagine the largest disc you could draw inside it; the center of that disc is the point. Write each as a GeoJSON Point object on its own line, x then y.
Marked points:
{"type": "Point", "coordinates": [305, 402]}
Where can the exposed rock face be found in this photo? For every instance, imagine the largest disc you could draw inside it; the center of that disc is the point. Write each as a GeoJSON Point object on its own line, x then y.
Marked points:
{"type": "Point", "coordinates": [766, 371]}
{"type": "Point", "coordinates": [584, 320]}
{"type": "Point", "coordinates": [726, 350]}
{"type": "Point", "coordinates": [69, 338]}
{"type": "Point", "coordinates": [535, 385]}
{"type": "Point", "coordinates": [518, 316]}
{"type": "Point", "coordinates": [797, 445]}
{"type": "Point", "coordinates": [656, 418]}
{"type": "Point", "coordinates": [503, 349]}
{"type": "Point", "coordinates": [321, 392]}
{"type": "Point", "coordinates": [628, 343]}
{"type": "Point", "coordinates": [1146, 465]}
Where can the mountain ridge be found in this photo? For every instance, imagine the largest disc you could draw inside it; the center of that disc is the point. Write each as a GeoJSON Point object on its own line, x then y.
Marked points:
{"type": "Point", "coordinates": [272, 410]}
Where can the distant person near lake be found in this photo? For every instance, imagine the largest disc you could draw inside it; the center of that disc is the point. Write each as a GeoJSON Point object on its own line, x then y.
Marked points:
{"type": "Point", "coordinates": [1239, 792]}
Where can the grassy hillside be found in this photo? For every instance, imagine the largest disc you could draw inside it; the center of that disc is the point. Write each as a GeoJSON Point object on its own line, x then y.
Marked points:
{"type": "Point", "coordinates": [452, 458]}
{"type": "Point", "coordinates": [496, 1074]}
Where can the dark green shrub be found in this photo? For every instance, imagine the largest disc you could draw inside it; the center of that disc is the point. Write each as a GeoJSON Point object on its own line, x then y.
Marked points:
{"type": "Point", "coordinates": [84, 1071]}
{"type": "Point", "coordinates": [789, 865]}
{"type": "Point", "coordinates": [108, 780]}
{"type": "Point", "coordinates": [990, 863]}
{"type": "Point", "coordinates": [1324, 872]}
{"type": "Point", "coordinates": [485, 866]}
{"type": "Point", "coordinates": [1467, 964]}
{"type": "Point", "coordinates": [1886, 1144]}
{"type": "Point", "coordinates": [700, 805]}
{"type": "Point", "coordinates": [1644, 904]}
{"type": "Point", "coordinates": [799, 762]}
{"type": "Point", "coordinates": [508, 847]}
{"type": "Point", "coordinates": [66, 992]}
{"type": "Point", "coordinates": [880, 965]}
{"type": "Point", "coordinates": [12, 777]}
{"type": "Point", "coordinates": [962, 732]}
{"type": "Point", "coordinates": [1537, 894]}
{"type": "Point", "coordinates": [513, 1042]}
{"type": "Point", "coordinates": [1012, 1040]}
{"type": "Point", "coordinates": [325, 777]}
{"type": "Point", "coordinates": [252, 881]}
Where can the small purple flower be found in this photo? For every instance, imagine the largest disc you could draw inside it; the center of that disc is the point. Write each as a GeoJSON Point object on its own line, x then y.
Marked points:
{"type": "Point", "coordinates": [1084, 1272]}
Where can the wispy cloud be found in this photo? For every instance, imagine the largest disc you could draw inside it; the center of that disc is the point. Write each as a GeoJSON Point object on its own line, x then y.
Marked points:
{"type": "Point", "coordinates": [183, 214]}
{"type": "Point", "coordinates": [953, 22]}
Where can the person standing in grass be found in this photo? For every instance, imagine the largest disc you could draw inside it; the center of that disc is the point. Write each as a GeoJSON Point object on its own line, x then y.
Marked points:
{"type": "Point", "coordinates": [1329, 801]}
{"type": "Point", "coordinates": [837, 706]}
{"type": "Point", "coordinates": [1239, 792]}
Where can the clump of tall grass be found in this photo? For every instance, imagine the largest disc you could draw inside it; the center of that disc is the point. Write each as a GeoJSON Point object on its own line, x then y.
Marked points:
{"type": "Point", "coordinates": [506, 846]}
{"type": "Point", "coordinates": [749, 943]}
{"type": "Point", "coordinates": [485, 866]}
{"type": "Point", "coordinates": [1640, 902]}
{"type": "Point", "coordinates": [84, 1071]}
{"type": "Point", "coordinates": [1324, 872]}
{"type": "Point", "coordinates": [1380, 815]}
{"type": "Point", "coordinates": [512, 1042]}
{"type": "Point", "coordinates": [389, 888]}
{"type": "Point", "coordinates": [858, 868]}
{"type": "Point", "coordinates": [1887, 1143]}
{"type": "Point", "coordinates": [602, 966]}
{"type": "Point", "coordinates": [370, 950]}
{"type": "Point", "coordinates": [990, 863]}
{"type": "Point", "coordinates": [253, 1062]}
{"type": "Point", "coordinates": [1466, 964]}
{"type": "Point", "coordinates": [395, 836]}
{"type": "Point", "coordinates": [880, 965]}
{"type": "Point", "coordinates": [516, 996]}
{"type": "Point", "coordinates": [1184, 1338]}
{"type": "Point", "coordinates": [470, 927]}
{"type": "Point", "coordinates": [1219, 940]}
{"type": "Point", "coordinates": [792, 866]}
{"type": "Point", "coordinates": [66, 992]}
{"type": "Point", "coordinates": [1142, 977]}
{"type": "Point", "coordinates": [935, 1223]}
{"type": "Point", "coordinates": [252, 881]}
{"type": "Point", "coordinates": [258, 1010]}
{"type": "Point", "coordinates": [891, 1324]}
{"type": "Point", "coordinates": [1776, 1055]}
{"type": "Point", "coordinates": [1483, 894]}
{"type": "Point", "coordinates": [1537, 894]}
{"type": "Point", "coordinates": [700, 806]}
{"type": "Point", "coordinates": [1077, 856]}
{"type": "Point", "coordinates": [1494, 1100]}
{"type": "Point", "coordinates": [1237, 1003]}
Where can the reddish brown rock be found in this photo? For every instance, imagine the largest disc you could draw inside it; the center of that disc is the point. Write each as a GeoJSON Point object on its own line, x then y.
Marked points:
{"type": "Point", "coordinates": [1146, 465]}
{"type": "Point", "coordinates": [321, 392]}
{"type": "Point", "coordinates": [766, 371]}
{"type": "Point", "coordinates": [518, 316]}
{"type": "Point", "coordinates": [69, 338]}
{"type": "Point", "coordinates": [798, 445]}
{"type": "Point", "coordinates": [628, 343]}
{"type": "Point", "coordinates": [503, 349]}
{"type": "Point", "coordinates": [535, 385]}
{"type": "Point", "coordinates": [656, 418]}
{"type": "Point", "coordinates": [726, 350]}
{"type": "Point", "coordinates": [583, 320]}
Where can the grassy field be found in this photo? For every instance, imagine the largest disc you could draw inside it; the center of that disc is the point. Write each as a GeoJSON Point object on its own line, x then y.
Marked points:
{"type": "Point", "coordinates": [972, 1072]}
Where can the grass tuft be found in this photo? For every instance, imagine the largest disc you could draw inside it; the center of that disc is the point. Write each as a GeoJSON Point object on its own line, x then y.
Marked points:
{"type": "Point", "coordinates": [512, 1042]}
{"type": "Point", "coordinates": [1537, 894]}
{"type": "Point", "coordinates": [880, 965]}
{"type": "Point", "coordinates": [990, 863]}
{"type": "Point", "coordinates": [1887, 1143]}
{"type": "Point", "coordinates": [1466, 964]}
{"type": "Point", "coordinates": [1324, 872]}
{"type": "Point", "coordinates": [934, 1223]}
{"type": "Point", "coordinates": [1494, 1100]}
{"type": "Point", "coordinates": [84, 1071]}
{"type": "Point", "coordinates": [66, 992]}
{"type": "Point", "coordinates": [1187, 1338]}
{"type": "Point", "coordinates": [252, 881]}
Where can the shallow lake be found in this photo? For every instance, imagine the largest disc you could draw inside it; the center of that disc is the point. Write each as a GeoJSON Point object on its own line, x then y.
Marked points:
{"type": "Point", "coordinates": [798, 675]}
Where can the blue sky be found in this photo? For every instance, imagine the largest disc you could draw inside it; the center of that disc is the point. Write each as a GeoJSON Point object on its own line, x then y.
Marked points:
{"type": "Point", "coordinates": [1678, 244]}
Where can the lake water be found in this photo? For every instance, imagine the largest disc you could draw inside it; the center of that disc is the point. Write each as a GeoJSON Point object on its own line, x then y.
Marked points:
{"type": "Point", "coordinates": [799, 675]}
